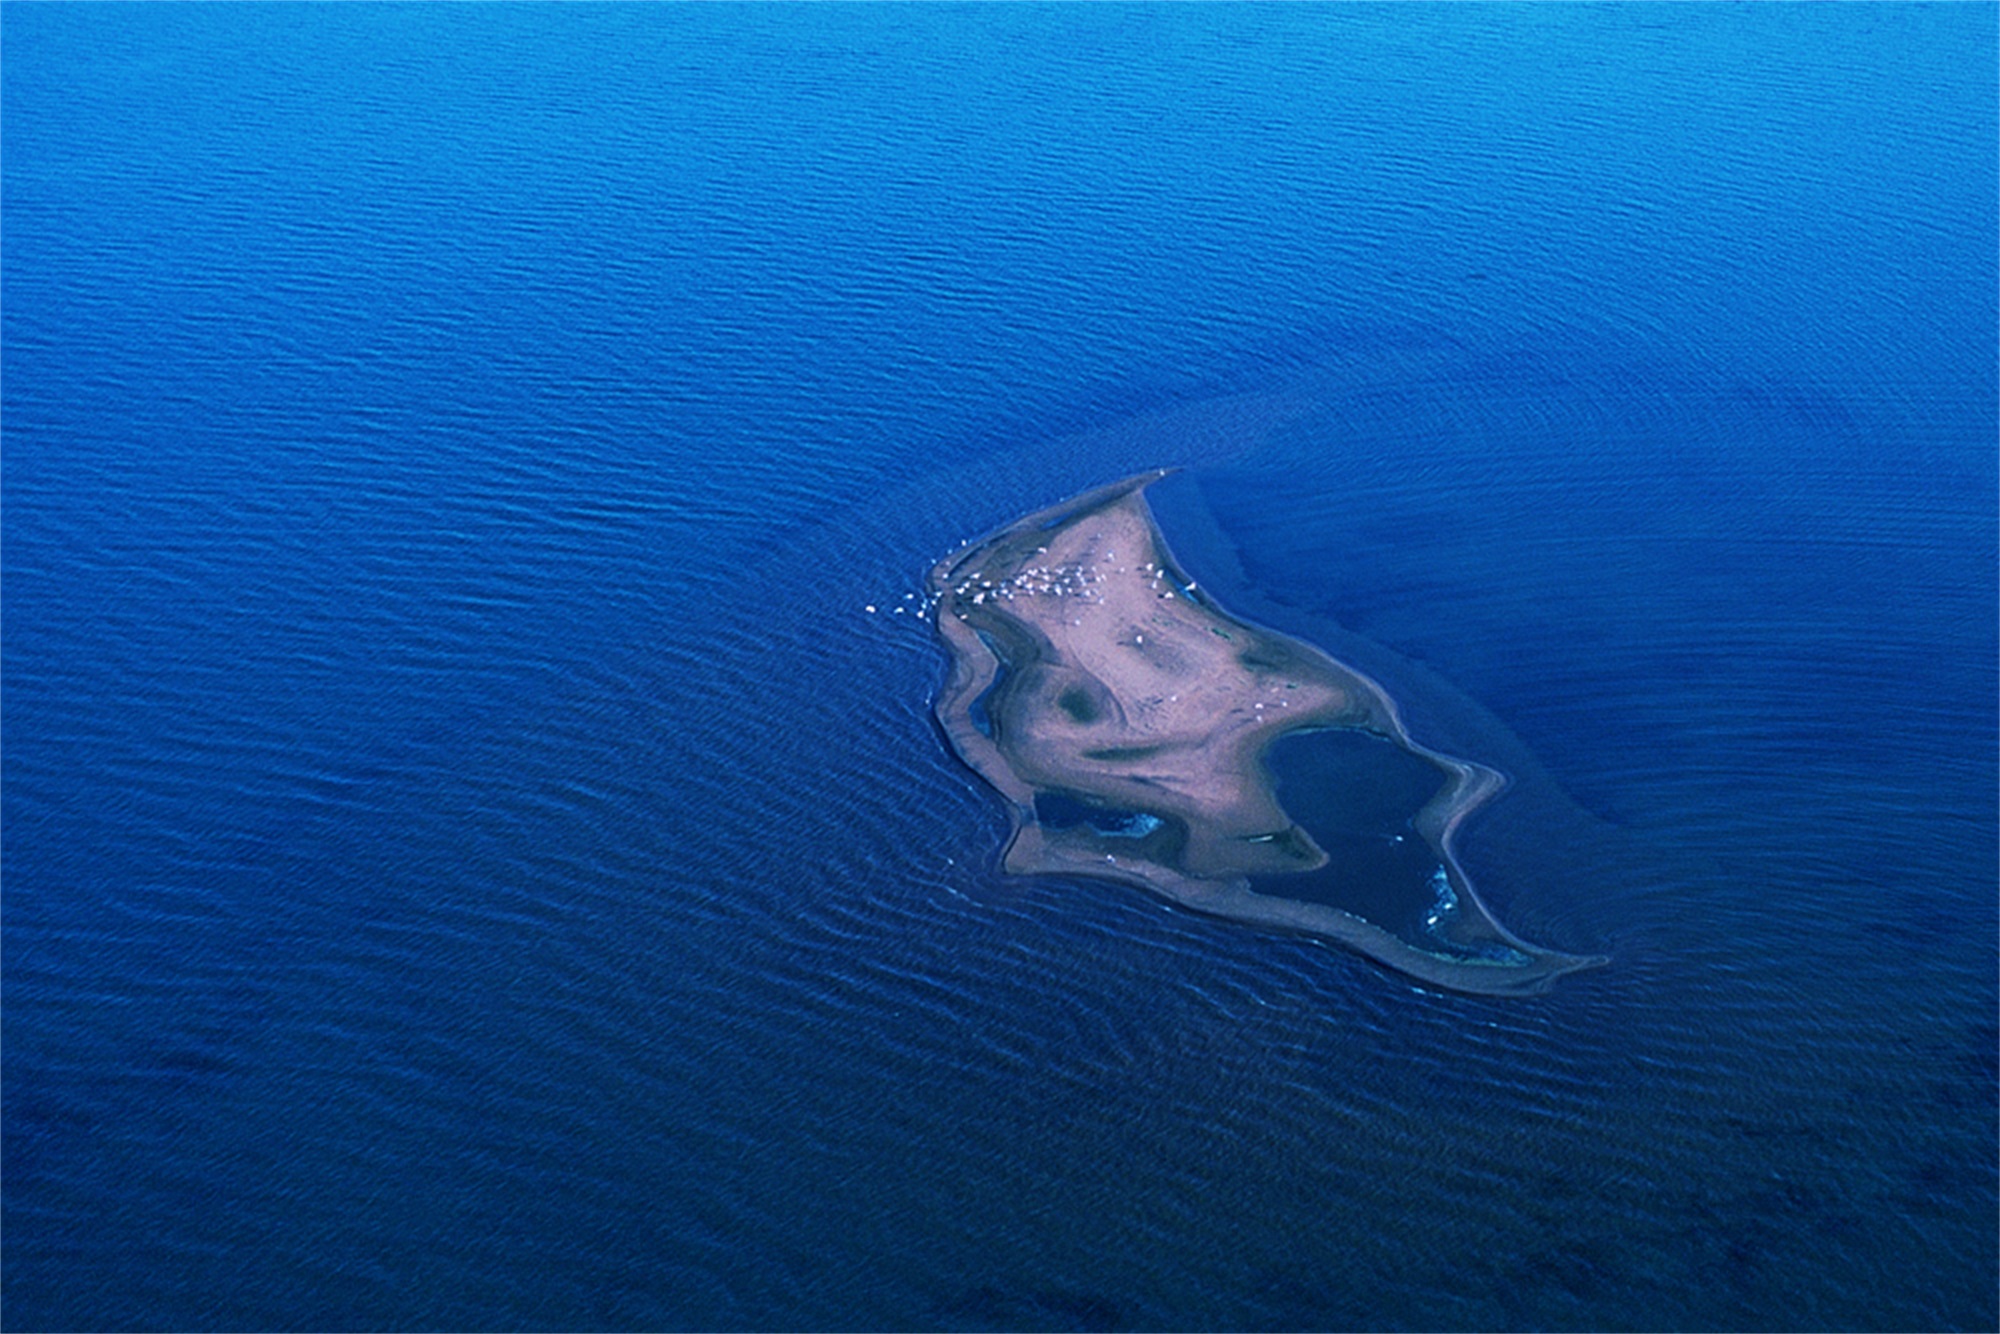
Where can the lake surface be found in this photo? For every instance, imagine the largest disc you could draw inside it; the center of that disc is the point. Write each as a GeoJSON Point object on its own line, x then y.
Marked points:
{"type": "Point", "coordinates": [471, 861]}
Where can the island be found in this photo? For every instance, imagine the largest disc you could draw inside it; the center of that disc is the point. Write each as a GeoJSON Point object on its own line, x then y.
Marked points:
{"type": "Point", "coordinates": [1141, 734]}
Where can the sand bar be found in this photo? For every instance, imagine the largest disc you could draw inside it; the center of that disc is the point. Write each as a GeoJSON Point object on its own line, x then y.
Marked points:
{"type": "Point", "coordinates": [1124, 716]}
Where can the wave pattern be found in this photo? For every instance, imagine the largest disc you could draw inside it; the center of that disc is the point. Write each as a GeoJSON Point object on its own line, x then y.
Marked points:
{"type": "Point", "coordinates": [473, 861]}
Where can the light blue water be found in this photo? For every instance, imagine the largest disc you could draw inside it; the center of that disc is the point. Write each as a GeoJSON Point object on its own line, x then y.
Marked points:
{"type": "Point", "coordinates": [471, 862]}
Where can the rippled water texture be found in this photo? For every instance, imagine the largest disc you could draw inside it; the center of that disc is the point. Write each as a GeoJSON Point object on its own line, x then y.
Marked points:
{"type": "Point", "coordinates": [470, 861]}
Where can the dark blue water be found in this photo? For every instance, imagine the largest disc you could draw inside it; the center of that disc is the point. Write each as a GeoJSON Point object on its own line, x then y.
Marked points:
{"type": "Point", "coordinates": [1358, 795]}
{"type": "Point", "coordinates": [471, 862]}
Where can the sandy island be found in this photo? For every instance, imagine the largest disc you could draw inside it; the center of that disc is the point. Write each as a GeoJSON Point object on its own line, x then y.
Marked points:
{"type": "Point", "coordinates": [1125, 717]}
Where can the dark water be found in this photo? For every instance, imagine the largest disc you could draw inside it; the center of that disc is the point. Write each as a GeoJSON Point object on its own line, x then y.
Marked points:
{"type": "Point", "coordinates": [471, 862]}
{"type": "Point", "coordinates": [1358, 795]}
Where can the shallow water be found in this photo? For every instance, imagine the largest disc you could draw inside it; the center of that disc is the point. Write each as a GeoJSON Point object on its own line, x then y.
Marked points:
{"type": "Point", "coordinates": [1357, 795]}
{"type": "Point", "coordinates": [471, 862]}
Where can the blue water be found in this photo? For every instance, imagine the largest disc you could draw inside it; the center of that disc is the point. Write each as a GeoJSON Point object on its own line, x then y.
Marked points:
{"type": "Point", "coordinates": [470, 861]}
{"type": "Point", "coordinates": [1358, 796]}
